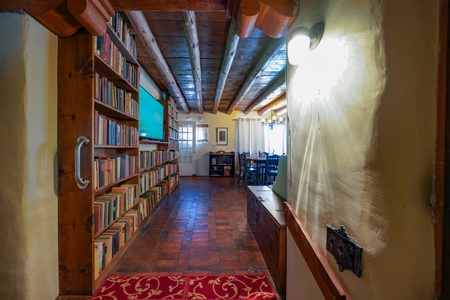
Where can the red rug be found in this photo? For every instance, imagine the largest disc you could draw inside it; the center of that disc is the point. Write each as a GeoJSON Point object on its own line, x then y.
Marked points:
{"type": "Point", "coordinates": [229, 287]}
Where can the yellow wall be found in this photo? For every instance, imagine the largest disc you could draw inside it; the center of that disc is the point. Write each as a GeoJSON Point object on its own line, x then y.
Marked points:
{"type": "Point", "coordinates": [220, 119]}
{"type": "Point", "coordinates": [28, 174]}
{"type": "Point", "coordinates": [362, 112]}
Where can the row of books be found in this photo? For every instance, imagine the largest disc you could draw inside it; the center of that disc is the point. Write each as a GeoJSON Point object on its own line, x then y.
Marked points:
{"type": "Point", "coordinates": [109, 132]}
{"type": "Point", "coordinates": [109, 242]}
{"type": "Point", "coordinates": [107, 50]}
{"type": "Point", "coordinates": [173, 113]}
{"type": "Point", "coordinates": [108, 170]}
{"type": "Point", "coordinates": [119, 98]}
{"type": "Point", "coordinates": [173, 133]}
{"type": "Point", "coordinates": [150, 159]}
{"type": "Point", "coordinates": [122, 29]}
{"type": "Point", "coordinates": [149, 200]}
{"type": "Point", "coordinates": [173, 180]}
{"type": "Point", "coordinates": [173, 144]}
{"type": "Point", "coordinates": [150, 178]}
{"type": "Point", "coordinates": [108, 207]}
{"type": "Point", "coordinates": [173, 168]}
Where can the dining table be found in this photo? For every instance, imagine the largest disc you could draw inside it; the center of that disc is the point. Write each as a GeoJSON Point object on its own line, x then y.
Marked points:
{"type": "Point", "coordinates": [259, 161]}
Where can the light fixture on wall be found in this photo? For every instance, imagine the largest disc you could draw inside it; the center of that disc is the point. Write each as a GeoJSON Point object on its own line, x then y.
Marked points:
{"type": "Point", "coordinates": [274, 119]}
{"type": "Point", "coordinates": [302, 39]}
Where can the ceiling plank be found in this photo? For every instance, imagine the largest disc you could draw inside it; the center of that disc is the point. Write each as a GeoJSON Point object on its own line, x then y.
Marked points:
{"type": "Point", "coordinates": [172, 5]}
{"type": "Point", "coordinates": [143, 31]}
{"type": "Point", "coordinates": [279, 101]}
{"type": "Point", "coordinates": [230, 52]}
{"type": "Point", "coordinates": [190, 28]}
{"type": "Point", "coordinates": [279, 81]}
{"type": "Point", "coordinates": [271, 51]}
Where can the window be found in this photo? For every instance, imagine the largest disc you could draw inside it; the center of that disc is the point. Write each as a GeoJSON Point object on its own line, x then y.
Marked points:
{"type": "Point", "coordinates": [275, 139]}
{"type": "Point", "coordinates": [202, 133]}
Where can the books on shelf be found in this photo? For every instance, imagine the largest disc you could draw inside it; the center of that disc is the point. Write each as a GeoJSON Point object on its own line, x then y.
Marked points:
{"type": "Point", "coordinates": [110, 206]}
{"type": "Point", "coordinates": [109, 132]}
{"type": "Point", "coordinates": [150, 159]}
{"type": "Point", "coordinates": [105, 91]}
{"type": "Point", "coordinates": [109, 242]}
{"type": "Point", "coordinates": [108, 170]}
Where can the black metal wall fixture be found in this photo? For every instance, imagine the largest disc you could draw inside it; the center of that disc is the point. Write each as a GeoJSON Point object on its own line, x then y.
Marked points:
{"type": "Point", "coordinates": [347, 253]}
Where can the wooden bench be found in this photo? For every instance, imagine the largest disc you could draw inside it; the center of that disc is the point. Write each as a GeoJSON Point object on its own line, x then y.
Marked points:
{"type": "Point", "coordinates": [266, 217]}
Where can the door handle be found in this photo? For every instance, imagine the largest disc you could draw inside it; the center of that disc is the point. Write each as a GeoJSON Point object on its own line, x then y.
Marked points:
{"type": "Point", "coordinates": [81, 182]}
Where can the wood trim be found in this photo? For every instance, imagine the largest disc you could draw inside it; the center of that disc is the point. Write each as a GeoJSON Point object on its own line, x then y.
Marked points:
{"type": "Point", "coordinates": [317, 263]}
{"type": "Point", "coordinates": [169, 5]}
{"type": "Point", "coordinates": [443, 128]}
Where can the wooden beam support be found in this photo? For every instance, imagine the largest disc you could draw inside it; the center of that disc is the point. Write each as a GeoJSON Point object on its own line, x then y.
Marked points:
{"type": "Point", "coordinates": [52, 14]}
{"type": "Point", "coordinates": [272, 105]}
{"type": "Point", "coordinates": [230, 52]}
{"type": "Point", "coordinates": [273, 17]}
{"type": "Point", "coordinates": [190, 28]}
{"type": "Point", "coordinates": [143, 31]}
{"type": "Point", "coordinates": [169, 5]}
{"type": "Point", "coordinates": [92, 14]}
{"type": "Point", "coordinates": [274, 87]}
{"type": "Point", "coordinates": [283, 109]}
{"type": "Point", "coordinates": [271, 50]}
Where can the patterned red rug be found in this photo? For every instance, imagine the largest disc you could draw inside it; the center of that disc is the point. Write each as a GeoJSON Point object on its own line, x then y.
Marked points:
{"type": "Point", "coordinates": [143, 287]}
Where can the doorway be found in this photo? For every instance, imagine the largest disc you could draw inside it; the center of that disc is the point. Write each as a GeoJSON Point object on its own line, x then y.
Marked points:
{"type": "Point", "coordinates": [186, 139]}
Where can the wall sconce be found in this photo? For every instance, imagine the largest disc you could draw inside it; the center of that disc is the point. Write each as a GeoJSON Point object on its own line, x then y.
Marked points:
{"type": "Point", "coordinates": [303, 39]}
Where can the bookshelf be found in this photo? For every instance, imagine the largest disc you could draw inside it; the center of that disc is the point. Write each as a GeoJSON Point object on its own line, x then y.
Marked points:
{"type": "Point", "coordinates": [221, 164]}
{"type": "Point", "coordinates": [159, 171]}
{"type": "Point", "coordinates": [98, 154]}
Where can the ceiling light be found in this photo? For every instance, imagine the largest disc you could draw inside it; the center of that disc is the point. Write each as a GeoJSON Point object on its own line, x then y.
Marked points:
{"type": "Point", "coordinates": [273, 120]}
{"type": "Point", "coordinates": [302, 40]}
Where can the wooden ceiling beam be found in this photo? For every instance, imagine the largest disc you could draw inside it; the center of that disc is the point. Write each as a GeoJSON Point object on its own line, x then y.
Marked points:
{"type": "Point", "coordinates": [92, 14]}
{"type": "Point", "coordinates": [271, 50]}
{"type": "Point", "coordinates": [230, 52]}
{"type": "Point", "coordinates": [274, 86]}
{"type": "Point", "coordinates": [275, 103]}
{"type": "Point", "coordinates": [53, 14]}
{"type": "Point", "coordinates": [273, 17]}
{"type": "Point", "coordinates": [147, 38]}
{"type": "Point", "coordinates": [280, 110]}
{"type": "Point", "coordinates": [169, 5]}
{"type": "Point", "coordinates": [190, 28]}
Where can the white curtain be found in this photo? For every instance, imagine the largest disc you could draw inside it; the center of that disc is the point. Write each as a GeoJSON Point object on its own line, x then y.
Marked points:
{"type": "Point", "coordinates": [250, 135]}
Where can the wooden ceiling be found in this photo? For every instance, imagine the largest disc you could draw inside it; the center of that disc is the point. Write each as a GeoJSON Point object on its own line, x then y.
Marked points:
{"type": "Point", "coordinates": [210, 55]}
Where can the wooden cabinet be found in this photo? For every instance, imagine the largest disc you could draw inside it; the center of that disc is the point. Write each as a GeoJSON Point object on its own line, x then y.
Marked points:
{"type": "Point", "coordinates": [265, 215]}
{"type": "Point", "coordinates": [221, 164]}
{"type": "Point", "coordinates": [98, 143]}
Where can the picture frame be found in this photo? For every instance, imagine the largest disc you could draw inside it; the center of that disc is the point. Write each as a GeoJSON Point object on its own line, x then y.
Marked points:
{"type": "Point", "coordinates": [221, 136]}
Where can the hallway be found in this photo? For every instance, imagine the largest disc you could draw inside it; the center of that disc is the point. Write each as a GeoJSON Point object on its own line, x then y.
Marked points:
{"type": "Point", "coordinates": [201, 229]}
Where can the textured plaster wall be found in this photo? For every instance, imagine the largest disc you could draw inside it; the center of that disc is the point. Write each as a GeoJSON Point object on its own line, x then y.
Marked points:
{"type": "Point", "coordinates": [28, 74]}
{"type": "Point", "coordinates": [362, 110]}
{"type": "Point", "coordinates": [220, 119]}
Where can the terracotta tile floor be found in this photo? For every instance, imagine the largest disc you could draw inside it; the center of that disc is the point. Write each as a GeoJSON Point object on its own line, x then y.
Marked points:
{"type": "Point", "coordinates": [201, 229]}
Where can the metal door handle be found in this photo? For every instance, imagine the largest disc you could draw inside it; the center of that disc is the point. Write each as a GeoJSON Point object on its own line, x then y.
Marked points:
{"type": "Point", "coordinates": [81, 182]}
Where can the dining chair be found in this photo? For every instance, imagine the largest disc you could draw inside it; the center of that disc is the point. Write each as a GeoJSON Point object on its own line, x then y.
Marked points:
{"type": "Point", "coordinates": [247, 172]}
{"type": "Point", "coordinates": [271, 168]}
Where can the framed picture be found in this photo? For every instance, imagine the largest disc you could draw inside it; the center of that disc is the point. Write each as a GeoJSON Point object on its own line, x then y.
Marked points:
{"type": "Point", "coordinates": [222, 136]}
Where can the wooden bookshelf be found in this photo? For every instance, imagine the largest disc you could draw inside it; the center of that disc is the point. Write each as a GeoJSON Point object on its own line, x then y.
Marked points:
{"type": "Point", "coordinates": [108, 130]}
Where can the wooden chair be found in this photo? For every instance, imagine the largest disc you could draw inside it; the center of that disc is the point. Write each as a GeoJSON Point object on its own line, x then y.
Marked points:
{"type": "Point", "coordinates": [246, 170]}
{"type": "Point", "coordinates": [271, 168]}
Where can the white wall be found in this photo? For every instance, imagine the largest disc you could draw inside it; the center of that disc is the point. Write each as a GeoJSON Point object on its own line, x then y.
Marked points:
{"type": "Point", "coordinates": [220, 119]}
{"type": "Point", "coordinates": [28, 174]}
{"type": "Point", "coordinates": [362, 113]}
